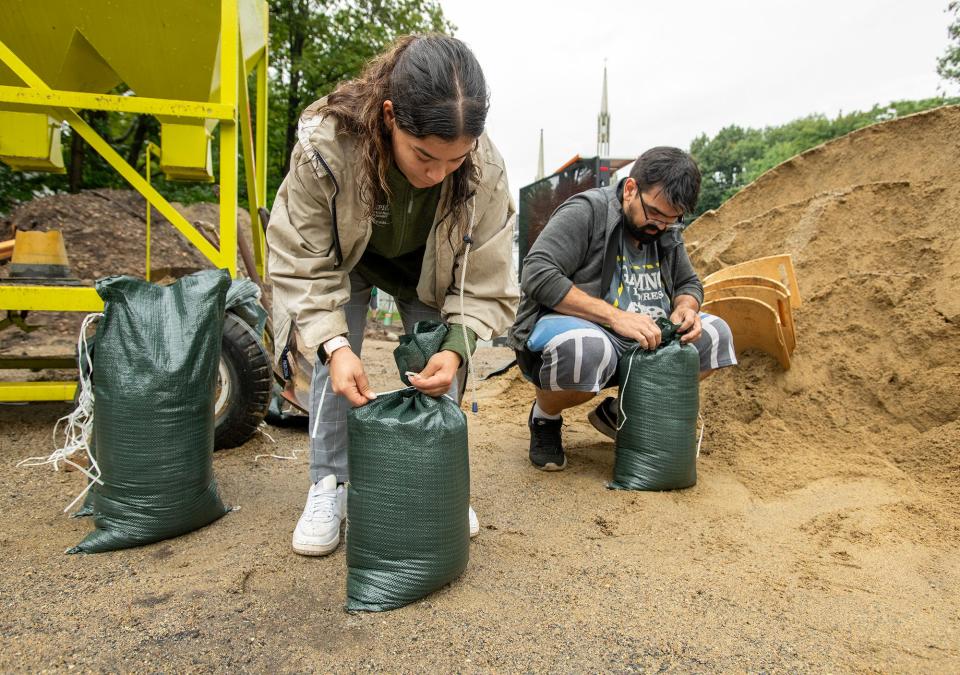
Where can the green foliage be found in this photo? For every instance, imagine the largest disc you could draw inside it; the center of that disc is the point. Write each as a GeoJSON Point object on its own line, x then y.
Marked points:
{"type": "Point", "coordinates": [314, 44]}
{"type": "Point", "coordinates": [736, 156]}
{"type": "Point", "coordinates": [948, 65]}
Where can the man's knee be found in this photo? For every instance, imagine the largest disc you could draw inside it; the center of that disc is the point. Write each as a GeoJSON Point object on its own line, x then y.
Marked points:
{"type": "Point", "coordinates": [715, 344]}
{"type": "Point", "coordinates": [579, 360]}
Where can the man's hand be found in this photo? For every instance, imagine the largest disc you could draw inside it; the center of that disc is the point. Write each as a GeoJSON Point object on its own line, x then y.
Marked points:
{"type": "Point", "coordinates": [639, 327]}
{"type": "Point", "coordinates": [348, 379]}
{"type": "Point", "coordinates": [435, 379]}
{"type": "Point", "coordinates": [689, 320]}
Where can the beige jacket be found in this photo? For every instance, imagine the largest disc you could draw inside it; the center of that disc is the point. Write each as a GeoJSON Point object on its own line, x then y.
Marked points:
{"type": "Point", "coordinates": [319, 201]}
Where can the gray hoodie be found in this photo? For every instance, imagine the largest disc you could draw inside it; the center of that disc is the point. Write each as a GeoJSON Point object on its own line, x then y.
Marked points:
{"type": "Point", "coordinates": [579, 247]}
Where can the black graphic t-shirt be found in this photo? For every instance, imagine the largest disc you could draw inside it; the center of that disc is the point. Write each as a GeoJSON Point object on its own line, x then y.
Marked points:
{"type": "Point", "coordinates": [637, 285]}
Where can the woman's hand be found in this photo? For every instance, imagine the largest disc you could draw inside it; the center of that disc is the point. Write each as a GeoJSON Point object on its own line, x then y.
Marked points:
{"type": "Point", "coordinates": [435, 379]}
{"type": "Point", "coordinates": [348, 379]}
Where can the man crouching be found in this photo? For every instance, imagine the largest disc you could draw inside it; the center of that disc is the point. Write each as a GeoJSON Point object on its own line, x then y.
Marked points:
{"type": "Point", "coordinates": [609, 262]}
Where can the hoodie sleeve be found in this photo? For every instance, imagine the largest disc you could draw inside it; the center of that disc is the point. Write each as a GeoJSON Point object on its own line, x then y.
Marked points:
{"type": "Point", "coordinates": [685, 279]}
{"type": "Point", "coordinates": [558, 253]}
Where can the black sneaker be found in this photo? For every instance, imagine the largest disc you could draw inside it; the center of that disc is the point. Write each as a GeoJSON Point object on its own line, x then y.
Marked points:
{"type": "Point", "coordinates": [546, 445]}
{"type": "Point", "coordinates": [604, 417]}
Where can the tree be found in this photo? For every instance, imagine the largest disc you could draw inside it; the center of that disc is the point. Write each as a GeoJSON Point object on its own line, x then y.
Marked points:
{"type": "Point", "coordinates": [948, 66]}
{"type": "Point", "coordinates": [315, 44]}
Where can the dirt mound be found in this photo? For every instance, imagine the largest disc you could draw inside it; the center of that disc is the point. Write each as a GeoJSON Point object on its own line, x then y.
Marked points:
{"type": "Point", "coordinates": [869, 219]}
{"type": "Point", "coordinates": [106, 232]}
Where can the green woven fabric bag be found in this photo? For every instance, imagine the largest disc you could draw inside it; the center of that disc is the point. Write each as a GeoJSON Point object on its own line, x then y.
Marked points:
{"type": "Point", "coordinates": [408, 532]}
{"type": "Point", "coordinates": [416, 347]}
{"type": "Point", "coordinates": [656, 447]}
{"type": "Point", "coordinates": [155, 372]}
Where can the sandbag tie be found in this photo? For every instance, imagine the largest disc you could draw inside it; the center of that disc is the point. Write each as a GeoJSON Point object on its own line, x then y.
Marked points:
{"type": "Point", "coordinates": [78, 425]}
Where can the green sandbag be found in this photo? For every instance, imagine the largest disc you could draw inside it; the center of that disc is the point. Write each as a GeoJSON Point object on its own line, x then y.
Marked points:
{"type": "Point", "coordinates": [155, 373]}
{"type": "Point", "coordinates": [243, 299]}
{"type": "Point", "coordinates": [408, 532]}
{"type": "Point", "coordinates": [416, 347]}
{"type": "Point", "coordinates": [656, 448]}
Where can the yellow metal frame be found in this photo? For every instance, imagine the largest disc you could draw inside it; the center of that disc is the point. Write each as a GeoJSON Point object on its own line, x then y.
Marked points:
{"type": "Point", "coordinates": [230, 111]}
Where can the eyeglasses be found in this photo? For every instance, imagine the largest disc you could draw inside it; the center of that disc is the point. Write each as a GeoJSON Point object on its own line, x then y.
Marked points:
{"type": "Point", "coordinates": [666, 223]}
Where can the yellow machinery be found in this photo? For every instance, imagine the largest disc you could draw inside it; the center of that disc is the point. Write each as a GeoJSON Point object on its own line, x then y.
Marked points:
{"type": "Point", "coordinates": [187, 62]}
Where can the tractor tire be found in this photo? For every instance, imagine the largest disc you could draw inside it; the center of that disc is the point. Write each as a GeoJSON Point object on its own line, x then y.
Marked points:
{"type": "Point", "coordinates": [244, 385]}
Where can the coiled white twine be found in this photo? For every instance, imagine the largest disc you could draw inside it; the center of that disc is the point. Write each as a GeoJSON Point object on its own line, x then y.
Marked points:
{"type": "Point", "coordinates": [623, 415]}
{"type": "Point", "coordinates": [78, 425]}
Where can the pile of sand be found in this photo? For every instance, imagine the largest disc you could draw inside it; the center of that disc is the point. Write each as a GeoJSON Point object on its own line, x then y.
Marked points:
{"type": "Point", "coordinates": [871, 222]}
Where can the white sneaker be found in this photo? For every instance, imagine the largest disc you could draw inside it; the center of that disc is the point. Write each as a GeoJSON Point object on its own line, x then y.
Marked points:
{"type": "Point", "coordinates": [318, 530]}
{"type": "Point", "coordinates": [474, 523]}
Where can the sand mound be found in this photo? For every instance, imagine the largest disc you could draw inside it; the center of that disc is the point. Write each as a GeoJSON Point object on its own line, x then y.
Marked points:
{"type": "Point", "coordinates": [870, 222]}
{"type": "Point", "coordinates": [917, 148]}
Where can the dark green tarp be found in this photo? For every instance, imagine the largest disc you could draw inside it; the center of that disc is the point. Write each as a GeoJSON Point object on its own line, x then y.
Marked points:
{"type": "Point", "coordinates": [408, 532]}
{"type": "Point", "coordinates": [656, 447]}
{"type": "Point", "coordinates": [155, 372]}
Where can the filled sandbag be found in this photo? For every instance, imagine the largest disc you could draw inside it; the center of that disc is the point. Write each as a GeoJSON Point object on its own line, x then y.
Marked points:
{"type": "Point", "coordinates": [656, 445]}
{"type": "Point", "coordinates": [408, 532]}
{"type": "Point", "coordinates": [154, 376]}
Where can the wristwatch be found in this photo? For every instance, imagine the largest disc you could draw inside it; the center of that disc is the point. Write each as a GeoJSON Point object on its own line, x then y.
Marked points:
{"type": "Point", "coordinates": [330, 346]}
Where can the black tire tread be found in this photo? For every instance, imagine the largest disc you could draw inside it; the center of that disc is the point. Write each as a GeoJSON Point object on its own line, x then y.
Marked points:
{"type": "Point", "coordinates": [252, 399]}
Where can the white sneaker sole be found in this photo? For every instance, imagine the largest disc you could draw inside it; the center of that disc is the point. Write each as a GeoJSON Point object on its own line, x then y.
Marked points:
{"type": "Point", "coordinates": [306, 548]}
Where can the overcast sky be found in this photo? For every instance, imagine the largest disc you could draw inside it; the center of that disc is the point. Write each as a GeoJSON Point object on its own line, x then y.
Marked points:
{"type": "Point", "coordinates": [679, 69]}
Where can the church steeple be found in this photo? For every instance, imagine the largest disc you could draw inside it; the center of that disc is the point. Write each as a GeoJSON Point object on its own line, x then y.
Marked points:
{"type": "Point", "coordinates": [603, 120]}
{"type": "Point", "coordinates": [540, 162]}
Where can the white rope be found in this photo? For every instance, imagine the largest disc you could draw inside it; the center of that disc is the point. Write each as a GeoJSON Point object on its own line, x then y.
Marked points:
{"type": "Point", "coordinates": [623, 388]}
{"type": "Point", "coordinates": [323, 395]}
{"type": "Point", "coordinates": [703, 426]}
{"type": "Point", "coordinates": [256, 458]}
{"type": "Point", "coordinates": [78, 425]}
{"type": "Point", "coordinates": [471, 374]}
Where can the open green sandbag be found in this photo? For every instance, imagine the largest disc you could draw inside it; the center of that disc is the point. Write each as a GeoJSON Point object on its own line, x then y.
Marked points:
{"type": "Point", "coordinates": [154, 373]}
{"type": "Point", "coordinates": [408, 532]}
{"type": "Point", "coordinates": [656, 446]}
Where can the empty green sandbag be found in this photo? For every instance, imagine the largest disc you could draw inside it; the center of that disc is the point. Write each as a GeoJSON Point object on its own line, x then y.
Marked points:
{"type": "Point", "coordinates": [656, 446]}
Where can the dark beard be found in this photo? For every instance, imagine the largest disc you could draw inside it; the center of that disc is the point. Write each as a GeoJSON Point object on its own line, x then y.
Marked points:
{"type": "Point", "coordinates": [642, 238]}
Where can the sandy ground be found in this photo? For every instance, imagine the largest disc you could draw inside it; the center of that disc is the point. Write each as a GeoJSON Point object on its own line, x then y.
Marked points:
{"type": "Point", "coordinates": [823, 534]}
{"type": "Point", "coordinates": [846, 571]}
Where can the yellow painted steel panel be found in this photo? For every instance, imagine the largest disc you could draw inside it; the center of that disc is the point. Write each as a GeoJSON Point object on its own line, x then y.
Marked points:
{"type": "Point", "coordinates": [50, 298]}
{"type": "Point", "coordinates": [29, 100]}
{"type": "Point", "coordinates": [186, 153]}
{"type": "Point", "coordinates": [165, 49]}
{"type": "Point", "coordinates": [37, 391]}
{"type": "Point", "coordinates": [30, 141]}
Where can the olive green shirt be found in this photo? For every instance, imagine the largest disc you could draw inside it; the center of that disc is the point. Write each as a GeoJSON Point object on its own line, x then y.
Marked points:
{"type": "Point", "coordinates": [394, 255]}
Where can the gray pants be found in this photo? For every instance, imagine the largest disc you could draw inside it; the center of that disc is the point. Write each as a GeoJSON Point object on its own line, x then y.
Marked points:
{"type": "Point", "coordinates": [328, 434]}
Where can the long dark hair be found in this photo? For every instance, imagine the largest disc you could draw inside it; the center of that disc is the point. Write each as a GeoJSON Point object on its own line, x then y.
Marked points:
{"type": "Point", "coordinates": [437, 89]}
